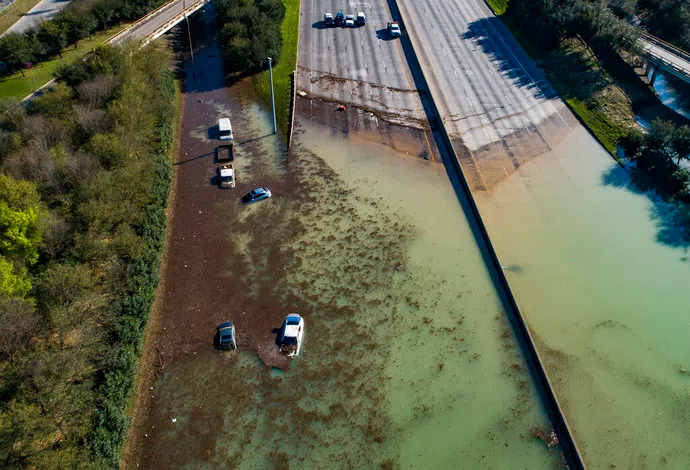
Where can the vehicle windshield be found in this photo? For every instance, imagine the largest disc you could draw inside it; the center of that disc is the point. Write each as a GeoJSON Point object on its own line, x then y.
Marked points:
{"type": "Point", "coordinates": [226, 338]}
{"type": "Point", "coordinates": [225, 133]}
{"type": "Point", "coordinates": [289, 341]}
{"type": "Point", "coordinates": [226, 179]}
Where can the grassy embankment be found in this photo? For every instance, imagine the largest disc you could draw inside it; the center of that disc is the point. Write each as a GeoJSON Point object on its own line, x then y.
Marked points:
{"type": "Point", "coordinates": [18, 86]}
{"type": "Point", "coordinates": [15, 11]}
{"type": "Point", "coordinates": [606, 97]}
{"type": "Point", "coordinates": [289, 30]}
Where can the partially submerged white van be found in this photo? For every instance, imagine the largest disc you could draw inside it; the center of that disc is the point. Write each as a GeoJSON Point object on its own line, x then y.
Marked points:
{"type": "Point", "coordinates": [224, 129]}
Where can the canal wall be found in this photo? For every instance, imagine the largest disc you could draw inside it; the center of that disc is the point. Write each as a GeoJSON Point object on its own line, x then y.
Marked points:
{"type": "Point", "coordinates": [451, 161]}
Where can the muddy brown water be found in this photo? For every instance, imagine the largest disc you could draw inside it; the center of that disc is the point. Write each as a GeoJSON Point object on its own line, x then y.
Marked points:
{"type": "Point", "coordinates": [407, 362]}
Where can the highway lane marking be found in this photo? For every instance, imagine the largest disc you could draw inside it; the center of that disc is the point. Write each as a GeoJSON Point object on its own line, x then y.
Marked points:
{"type": "Point", "coordinates": [520, 63]}
{"type": "Point", "coordinates": [509, 102]}
{"type": "Point", "coordinates": [528, 131]}
{"type": "Point", "coordinates": [444, 51]}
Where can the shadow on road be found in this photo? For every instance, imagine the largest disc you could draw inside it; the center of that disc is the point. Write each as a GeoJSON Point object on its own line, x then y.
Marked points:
{"type": "Point", "coordinates": [492, 37]}
{"type": "Point", "coordinates": [384, 34]}
{"type": "Point", "coordinates": [195, 158]}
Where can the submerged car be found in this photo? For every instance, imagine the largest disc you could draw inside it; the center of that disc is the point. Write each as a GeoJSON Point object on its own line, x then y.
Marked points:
{"type": "Point", "coordinates": [361, 20]}
{"type": "Point", "coordinates": [339, 19]}
{"type": "Point", "coordinates": [291, 335]}
{"type": "Point", "coordinates": [256, 195]}
{"type": "Point", "coordinates": [328, 19]}
{"type": "Point", "coordinates": [226, 336]}
{"type": "Point", "coordinates": [350, 21]}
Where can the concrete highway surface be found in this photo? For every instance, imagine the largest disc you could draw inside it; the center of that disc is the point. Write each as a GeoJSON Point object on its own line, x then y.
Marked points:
{"type": "Point", "coordinates": [497, 107]}
{"type": "Point", "coordinates": [360, 66]}
{"type": "Point", "coordinates": [44, 10]}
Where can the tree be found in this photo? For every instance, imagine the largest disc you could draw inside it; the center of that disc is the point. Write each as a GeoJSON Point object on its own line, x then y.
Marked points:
{"type": "Point", "coordinates": [57, 103]}
{"type": "Point", "coordinates": [77, 25]}
{"type": "Point", "coordinates": [20, 230]}
{"type": "Point", "coordinates": [15, 50]}
{"type": "Point", "coordinates": [53, 38]}
{"type": "Point", "coordinates": [680, 143]}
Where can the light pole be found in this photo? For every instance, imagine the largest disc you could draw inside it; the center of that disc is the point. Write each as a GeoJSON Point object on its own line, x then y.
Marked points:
{"type": "Point", "coordinates": [189, 32]}
{"type": "Point", "coordinates": [273, 100]}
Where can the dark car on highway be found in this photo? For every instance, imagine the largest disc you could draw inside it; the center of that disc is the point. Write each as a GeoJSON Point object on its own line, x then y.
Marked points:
{"type": "Point", "coordinates": [339, 19]}
{"type": "Point", "coordinates": [328, 19]}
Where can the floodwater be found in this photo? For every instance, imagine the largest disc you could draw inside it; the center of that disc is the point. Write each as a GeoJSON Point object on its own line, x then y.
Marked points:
{"type": "Point", "coordinates": [671, 93]}
{"type": "Point", "coordinates": [408, 360]}
{"type": "Point", "coordinates": [601, 273]}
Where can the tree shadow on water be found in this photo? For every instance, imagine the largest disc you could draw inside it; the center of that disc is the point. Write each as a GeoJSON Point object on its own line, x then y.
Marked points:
{"type": "Point", "coordinates": [671, 219]}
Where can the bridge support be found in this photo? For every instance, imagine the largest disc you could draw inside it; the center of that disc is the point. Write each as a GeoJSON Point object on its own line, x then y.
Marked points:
{"type": "Point", "coordinates": [655, 72]}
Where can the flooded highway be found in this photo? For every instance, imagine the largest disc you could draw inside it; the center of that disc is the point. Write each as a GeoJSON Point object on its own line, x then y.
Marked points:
{"type": "Point", "coordinates": [600, 271]}
{"type": "Point", "coordinates": [408, 360]}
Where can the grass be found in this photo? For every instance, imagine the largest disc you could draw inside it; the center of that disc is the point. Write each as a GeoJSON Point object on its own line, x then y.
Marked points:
{"type": "Point", "coordinates": [289, 30]}
{"type": "Point", "coordinates": [15, 11]}
{"type": "Point", "coordinates": [498, 6]}
{"type": "Point", "coordinates": [18, 86]}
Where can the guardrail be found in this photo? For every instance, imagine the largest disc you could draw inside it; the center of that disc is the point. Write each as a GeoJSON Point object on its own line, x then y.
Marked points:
{"type": "Point", "coordinates": [176, 19]}
{"type": "Point", "coordinates": [670, 47]}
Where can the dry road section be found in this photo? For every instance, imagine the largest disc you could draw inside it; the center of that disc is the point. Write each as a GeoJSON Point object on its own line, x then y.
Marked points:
{"type": "Point", "coordinates": [359, 67]}
{"type": "Point", "coordinates": [497, 106]}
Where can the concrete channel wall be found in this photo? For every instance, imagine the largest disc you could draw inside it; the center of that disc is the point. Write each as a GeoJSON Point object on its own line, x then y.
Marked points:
{"type": "Point", "coordinates": [452, 163]}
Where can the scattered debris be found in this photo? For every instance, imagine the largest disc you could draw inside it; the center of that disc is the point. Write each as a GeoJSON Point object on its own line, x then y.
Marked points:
{"type": "Point", "coordinates": [302, 93]}
{"type": "Point", "coordinates": [174, 420]}
{"type": "Point", "coordinates": [683, 370]}
{"type": "Point", "coordinates": [341, 107]}
{"type": "Point", "coordinates": [548, 437]}
{"type": "Point", "coordinates": [399, 267]}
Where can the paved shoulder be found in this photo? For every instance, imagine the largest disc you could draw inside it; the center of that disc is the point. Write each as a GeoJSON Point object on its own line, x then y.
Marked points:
{"type": "Point", "coordinates": [44, 10]}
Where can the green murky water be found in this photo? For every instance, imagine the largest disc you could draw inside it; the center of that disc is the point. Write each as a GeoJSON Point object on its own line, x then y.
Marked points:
{"type": "Point", "coordinates": [603, 278]}
{"type": "Point", "coordinates": [408, 361]}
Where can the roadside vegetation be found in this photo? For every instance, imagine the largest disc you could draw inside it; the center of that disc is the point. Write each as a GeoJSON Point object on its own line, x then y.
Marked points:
{"type": "Point", "coordinates": [253, 30]}
{"type": "Point", "coordinates": [667, 19]}
{"type": "Point", "coordinates": [78, 20]}
{"type": "Point", "coordinates": [283, 71]}
{"type": "Point", "coordinates": [586, 47]}
{"type": "Point", "coordinates": [14, 12]}
{"type": "Point", "coordinates": [22, 83]}
{"type": "Point", "coordinates": [84, 180]}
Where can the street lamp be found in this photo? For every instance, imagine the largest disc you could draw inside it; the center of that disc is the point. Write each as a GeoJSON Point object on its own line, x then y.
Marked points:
{"type": "Point", "coordinates": [273, 101]}
{"type": "Point", "coordinates": [189, 32]}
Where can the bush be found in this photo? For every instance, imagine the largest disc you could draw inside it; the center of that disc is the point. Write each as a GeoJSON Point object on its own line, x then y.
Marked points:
{"type": "Point", "coordinates": [250, 33]}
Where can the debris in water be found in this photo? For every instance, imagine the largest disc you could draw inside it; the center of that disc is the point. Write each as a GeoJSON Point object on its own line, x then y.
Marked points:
{"type": "Point", "coordinates": [548, 437]}
{"type": "Point", "coordinates": [342, 107]}
{"type": "Point", "coordinates": [174, 420]}
{"type": "Point", "coordinates": [683, 370]}
{"type": "Point", "coordinates": [398, 267]}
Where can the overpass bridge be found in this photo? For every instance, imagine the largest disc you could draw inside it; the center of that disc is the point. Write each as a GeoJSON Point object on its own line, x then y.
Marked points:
{"type": "Point", "coordinates": [660, 55]}
{"type": "Point", "coordinates": [158, 22]}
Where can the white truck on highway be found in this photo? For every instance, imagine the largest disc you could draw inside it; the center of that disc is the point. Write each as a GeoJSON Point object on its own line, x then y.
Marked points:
{"type": "Point", "coordinates": [394, 29]}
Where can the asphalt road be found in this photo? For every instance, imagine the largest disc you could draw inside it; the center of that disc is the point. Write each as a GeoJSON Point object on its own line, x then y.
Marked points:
{"type": "Point", "coordinates": [484, 85]}
{"type": "Point", "coordinates": [45, 9]}
{"type": "Point", "coordinates": [356, 66]}
{"type": "Point", "coordinates": [167, 15]}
